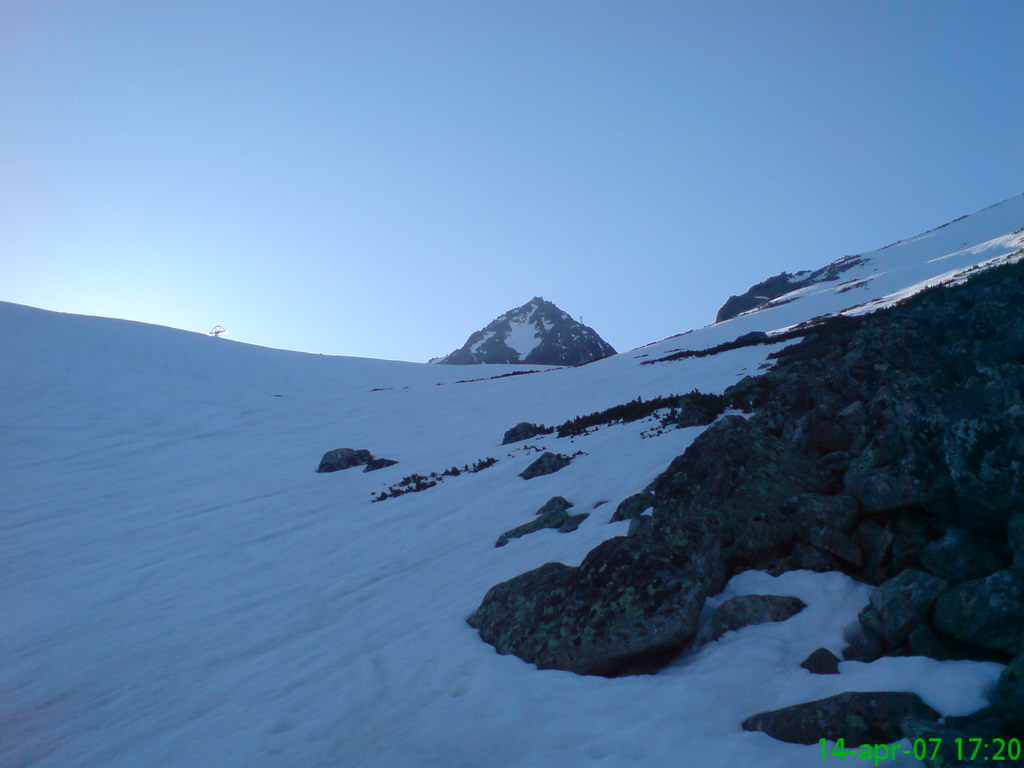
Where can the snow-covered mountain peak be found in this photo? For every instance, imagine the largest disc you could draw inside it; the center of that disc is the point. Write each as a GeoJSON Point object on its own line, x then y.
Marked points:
{"type": "Point", "coordinates": [536, 332]}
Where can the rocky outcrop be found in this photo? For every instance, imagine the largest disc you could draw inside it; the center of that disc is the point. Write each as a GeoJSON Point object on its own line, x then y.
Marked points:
{"type": "Point", "coordinates": [545, 464]}
{"type": "Point", "coordinates": [745, 610]}
{"type": "Point", "coordinates": [628, 607]}
{"type": "Point", "coordinates": [888, 446]}
{"type": "Point", "coordinates": [554, 514]}
{"type": "Point", "coordinates": [632, 506]}
{"type": "Point", "coordinates": [524, 430]}
{"type": "Point", "coordinates": [760, 294]}
{"type": "Point", "coordinates": [344, 458]}
{"type": "Point", "coordinates": [538, 332]}
{"type": "Point", "coordinates": [859, 718]}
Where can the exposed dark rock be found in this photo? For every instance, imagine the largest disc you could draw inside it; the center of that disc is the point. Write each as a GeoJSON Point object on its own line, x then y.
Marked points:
{"type": "Point", "coordinates": [1015, 540]}
{"type": "Point", "coordinates": [545, 464]}
{"type": "Point", "coordinates": [572, 522]}
{"type": "Point", "coordinates": [744, 610]}
{"type": "Point", "coordinates": [374, 464]}
{"type": "Point", "coordinates": [864, 646]}
{"type": "Point", "coordinates": [731, 484]}
{"type": "Point", "coordinates": [826, 523]}
{"type": "Point", "coordinates": [343, 458]}
{"type": "Point", "coordinates": [524, 430]}
{"type": "Point", "coordinates": [859, 718]}
{"type": "Point", "coordinates": [761, 293]}
{"type": "Point", "coordinates": [632, 506]}
{"type": "Point", "coordinates": [875, 541]}
{"type": "Point", "coordinates": [630, 606]}
{"type": "Point", "coordinates": [1010, 695]}
{"type": "Point", "coordinates": [557, 339]}
{"type": "Point", "coordinates": [960, 556]}
{"type": "Point", "coordinates": [900, 604]}
{"type": "Point", "coordinates": [924, 640]}
{"type": "Point", "coordinates": [552, 515]}
{"type": "Point", "coordinates": [821, 662]}
{"type": "Point", "coordinates": [987, 611]}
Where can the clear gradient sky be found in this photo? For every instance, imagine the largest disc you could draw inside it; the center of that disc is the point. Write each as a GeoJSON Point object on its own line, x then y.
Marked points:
{"type": "Point", "coordinates": [383, 178]}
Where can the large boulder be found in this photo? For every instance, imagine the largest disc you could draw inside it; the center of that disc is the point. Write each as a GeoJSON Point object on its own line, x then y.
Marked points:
{"type": "Point", "coordinates": [745, 610]}
{"type": "Point", "coordinates": [545, 464]}
{"type": "Point", "coordinates": [343, 458]}
{"type": "Point", "coordinates": [900, 604]}
{"type": "Point", "coordinates": [987, 611]}
{"type": "Point", "coordinates": [859, 718]}
{"type": "Point", "coordinates": [629, 606]}
{"type": "Point", "coordinates": [731, 484]}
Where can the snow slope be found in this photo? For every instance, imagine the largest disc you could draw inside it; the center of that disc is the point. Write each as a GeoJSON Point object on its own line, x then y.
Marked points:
{"type": "Point", "coordinates": [178, 587]}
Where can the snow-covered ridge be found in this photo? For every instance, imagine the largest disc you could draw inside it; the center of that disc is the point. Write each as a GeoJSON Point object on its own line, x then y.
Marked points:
{"type": "Point", "coordinates": [180, 588]}
{"type": "Point", "coordinates": [537, 332]}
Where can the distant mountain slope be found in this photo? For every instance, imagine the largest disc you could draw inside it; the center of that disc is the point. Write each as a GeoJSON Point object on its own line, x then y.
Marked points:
{"type": "Point", "coordinates": [174, 569]}
{"type": "Point", "coordinates": [538, 332]}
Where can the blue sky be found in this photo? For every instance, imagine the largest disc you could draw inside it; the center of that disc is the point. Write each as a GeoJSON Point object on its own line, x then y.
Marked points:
{"type": "Point", "coordinates": [383, 178]}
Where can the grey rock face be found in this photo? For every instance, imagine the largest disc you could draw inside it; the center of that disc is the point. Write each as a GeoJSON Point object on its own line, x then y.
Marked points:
{"type": "Point", "coordinates": [552, 336]}
{"type": "Point", "coordinates": [545, 464]}
{"type": "Point", "coordinates": [859, 718]}
{"type": "Point", "coordinates": [629, 606]}
{"type": "Point", "coordinates": [343, 458]}
{"type": "Point", "coordinates": [745, 610]}
{"type": "Point", "coordinates": [988, 612]}
{"type": "Point", "coordinates": [821, 662]}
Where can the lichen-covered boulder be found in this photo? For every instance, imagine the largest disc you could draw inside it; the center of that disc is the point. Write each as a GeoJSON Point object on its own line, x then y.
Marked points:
{"type": "Point", "coordinates": [629, 606]}
{"type": "Point", "coordinates": [900, 604]}
{"type": "Point", "coordinates": [343, 458]}
{"type": "Point", "coordinates": [632, 506]}
{"type": "Point", "coordinates": [545, 464]}
{"type": "Point", "coordinates": [745, 610]}
{"type": "Point", "coordinates": [821, 662]}
{"type": "Point", "coordinates": [988, 612]}
{"type": "Point", "coordinates": [731, 484]}
{"type": "Point", "coordinates": [859, 718]}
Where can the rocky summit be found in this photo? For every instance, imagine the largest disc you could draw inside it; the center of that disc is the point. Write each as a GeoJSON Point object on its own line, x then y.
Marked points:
{"type": "Point", "coordinates": [538, 332]}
